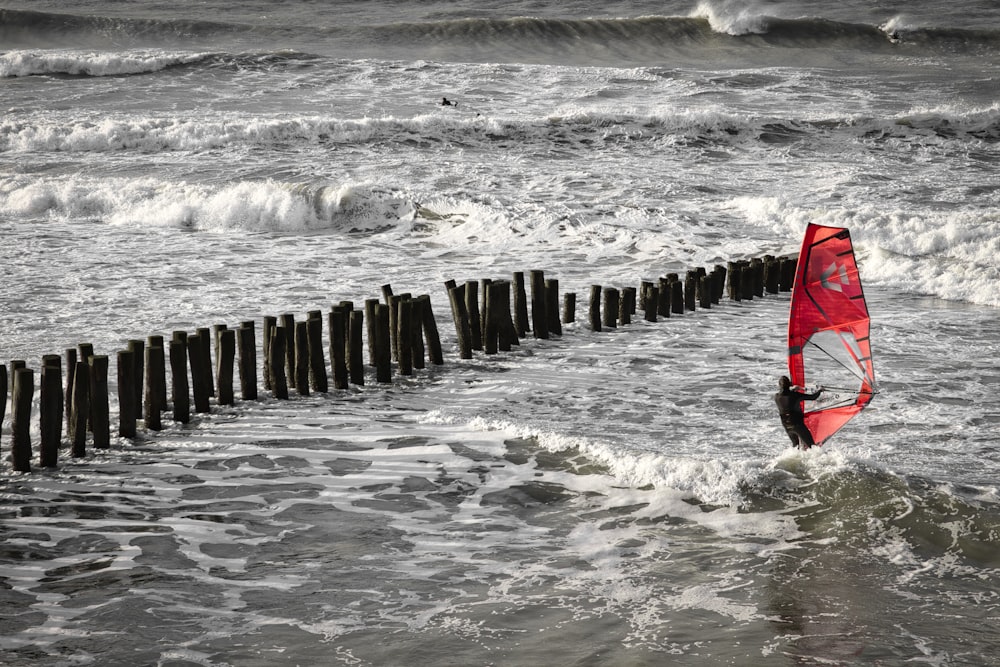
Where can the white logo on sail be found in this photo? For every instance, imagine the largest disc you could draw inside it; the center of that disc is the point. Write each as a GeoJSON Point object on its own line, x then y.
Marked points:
{"type": "Point", "coordinates": [835, 272]}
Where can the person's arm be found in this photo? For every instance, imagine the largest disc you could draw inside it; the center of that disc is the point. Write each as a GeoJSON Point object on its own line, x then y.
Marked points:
{"type": "Point", "coordinates": [813, 396]}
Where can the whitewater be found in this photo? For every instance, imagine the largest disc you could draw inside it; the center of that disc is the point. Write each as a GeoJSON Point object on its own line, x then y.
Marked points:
{"type": "Point", "coordinates": [622, 497]}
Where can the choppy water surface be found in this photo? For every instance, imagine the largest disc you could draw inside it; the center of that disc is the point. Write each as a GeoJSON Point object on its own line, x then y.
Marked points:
{"type": "Point", "coordinates": [621, 497]}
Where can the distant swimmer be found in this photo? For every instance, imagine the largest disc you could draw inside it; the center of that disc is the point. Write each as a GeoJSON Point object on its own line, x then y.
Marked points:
{"type": "Point", "coordinates": [445, 102]}
{"type": "Point", "coordinates": [789, 401]}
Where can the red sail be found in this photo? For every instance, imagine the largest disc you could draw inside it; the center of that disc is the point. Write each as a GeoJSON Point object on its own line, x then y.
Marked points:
{"type": "Point", "coordinates": [828, 329]}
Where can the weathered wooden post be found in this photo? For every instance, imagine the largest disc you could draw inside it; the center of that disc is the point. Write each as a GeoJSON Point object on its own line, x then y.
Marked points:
{"type": "Point", "coordinates": [569, 308]}
{"type": "Point", "coordinates": [80, 408]}
{"type": "Point", "coordinates": [430, 329]}
{"type": "Point", "coordinates": [20, 417]}
{"type": "Point", "coordinates": [491, 327]}
{"type": "Point", "coordinates": [627, 306]}
{"type": "Point", "coordinates": [521, 325]}
{"type": "Point", "coordinates": [652, 301]}
{"type": "Point", "coordinates": [277, 357]}
{"type": "Point", "coordinates": [704, 291]}
{"type": "Point", "coordinates": [50, 408]}
{"type": "Point", "coordinates": [611, 307]}
{"type": "Point", "coordinates": [735, 274]}
{"type": "Point", "coordinates": [226, 361]}
{"type": "Point", "coordinates": [595, 307]}
{"type": "Point", "coordinates": [404, 335]}
{"type": "Point", "coordinates": [288, 322]}
{"type": "Point", "coordinates": [246, 343]}
{"type": "Point", "coordinates": [749, 281]}
{"type": "Point", "coordinates": [127, 407]}
{"type": "Point", "coordinates": [155, 379]}
{"type": "Point", "coordinates": [788, 267]}
{"type": "Point", "coordinates": [99, 409]}
{"type": "Point", "coordinates": [552, 306]}
{"type": "Point", "coordinates": [757, 269]}
{"type": "Point", "coordinates": [662, 303]}
{"type": "Point", "coordinates": [338, 346]}
{"type": "Point", "coordinates": [301, 369]}
{"type": "Point", "coordinates": [4, 388]}
{"type": "Point", "coordinates": [690, 290]}
{"type": "Point", "coordinates": [318, 379]}
{"type": "Point", "coordinates": [270, 324]}
{"type": "Point", "coordinates": [463, 330]}
{"type": "Point", "coordinates": [180, 391]}
{"type": "Point", "coordinates": [676, 295]}
{"type": "Point", "coordinates": [161, 381]}
{"type": "Point", "coordinates": [719, 284]}
{"type": "Point", "coordinates": [383, 345]}
{"type": "Point", "coordinates": [471, 296]}
{"type": "Point", "coordinates": [392, 301]}
{"type": "Point", "coordinates": [196, 359]}
{"type": "Point", "coordinates": [355, 347]}
{"type": "Point", "coordinates": [539, 318]}
{"type": "Point", "coordinates": [70, 380]}
{"type": "Point", "coordinates": [772, 274]}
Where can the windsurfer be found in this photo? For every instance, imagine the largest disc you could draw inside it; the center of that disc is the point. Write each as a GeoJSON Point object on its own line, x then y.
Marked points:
{"type": "Point", "coordinates": [789, 401]}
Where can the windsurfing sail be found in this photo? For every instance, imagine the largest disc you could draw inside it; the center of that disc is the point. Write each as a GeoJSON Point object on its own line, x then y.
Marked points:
{"type": "Point", "coordinates": [828, 329]}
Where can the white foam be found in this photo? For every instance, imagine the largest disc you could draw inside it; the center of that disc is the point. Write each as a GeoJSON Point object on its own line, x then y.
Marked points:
{"type": "Point", "coordinates": [91, 63]}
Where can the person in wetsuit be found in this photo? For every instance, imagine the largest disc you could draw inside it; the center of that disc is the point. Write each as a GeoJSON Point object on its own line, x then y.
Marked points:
{"type": "Point", "coordinates": [789, 401]}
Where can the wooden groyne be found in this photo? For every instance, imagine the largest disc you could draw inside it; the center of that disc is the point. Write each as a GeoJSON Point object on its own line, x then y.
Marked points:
{"type": "Point", "coordinates": [489, 316]}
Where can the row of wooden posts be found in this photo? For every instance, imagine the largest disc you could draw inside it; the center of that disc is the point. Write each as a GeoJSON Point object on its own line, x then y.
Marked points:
{"type": "Point", "coordinates": [400, 329]}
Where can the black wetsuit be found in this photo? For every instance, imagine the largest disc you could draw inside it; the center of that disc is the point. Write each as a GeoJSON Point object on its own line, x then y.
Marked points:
{"type": "Point", "coordinates": [792, 418]}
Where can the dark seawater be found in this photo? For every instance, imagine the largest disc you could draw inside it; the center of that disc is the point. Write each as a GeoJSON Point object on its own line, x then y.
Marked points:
{"type": "Point", "coordinates": [621, 497]}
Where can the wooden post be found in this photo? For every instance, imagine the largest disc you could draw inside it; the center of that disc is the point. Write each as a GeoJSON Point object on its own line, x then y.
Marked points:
{"type": "Point", "coordinates": [383, 345]}
{"type": "Point", "coordinates": [569, 308]}
{"type": "Point", "coordinates": [471, 295]}
{"type": "Point", "coordinates": [155, 378]}
{"type": "Point", "coordinates": [611, 307]}
{"type": "Point", "coordinates": [99, 409]}
{"type": "Point", "coordinates": [205, 350]}
{"type": "Point", "coordinates": [735, 273]}
{"type": "Point", "coordinates": [288, 322]}
{"type": "Point", "coordinates": [748, 283]}
{"type": "Point", "coordinates": [277, 356]}
{"type": "Point", "coordinates": [463, 330]}
{"type": "Point", "coordinates": [690, 290]}
{"type": "Point", "coordinates": [508, 332]}
{"type": "Point", "coordinates": [552, 306]}
{"type": "Point", "coordinates": [127, 406]}
{"type": "Point", "coordinates": [491, 326]}
{"type": "Point", "coordinates": [539, 319]}
{"type": "Point", "coordinates": [719, 288]}
{"type": "Point", "coordinates": [664, 289]}
{"type": "Point", "coordinates": [70, 380]}
{"type": "Point", "coordinates": [393, 303]}
{"type": "Point", "coordinates": [86, 351]}
{"type": "Point", "coordinates": [301, 370]}
{"type": "Point", "coordinates": [404, 324]}
{"type": "Point", "coordinates": [180, 391]}
{"type": "Point", "coordinates": [226, 360]}
{"type": "Point", "coordinates": [50, 408]}
{"type": "Point", "coordinates": [270, 324]}
{"type": "Point", "coordinates": [196, 359]}
{"type": "Point", "coordinates": [627, 306]}
{"type": "Point", "coordinates": [595, 307]}
{"type": "Point", "coordinates": [757, 270]}
{"type": "Point", "coordinates": [20, 418]}
{"type": "Point", "coordinates": [80, 408]}
{"type": "Point", "coordinates": [521, 325]}
{"type": "Point", "coordinates": [704, 291]}
{"type": "Point", "coordinates": [430, 329]}
{"type": "Point", "coordinates": [4, 390]}
{"type": "Point", "coordinates": [772, 274]}
{"type": "Point", "coordinates": [788, 267]}
{"type": "Point", "coordinates": [651, 304]}
{"type": "Point", "coordinates": [355, 347]}
{"type": "Point", "coordinates": [676, 296]}
{"type": "Point", "coordinates": [246, 343]}
{"type": "Point", "coordinates": [318, 378]}
{"type": "Point", "coordinates": [338, 346]}
{"type": "Point", "coordinates": [161, 380]}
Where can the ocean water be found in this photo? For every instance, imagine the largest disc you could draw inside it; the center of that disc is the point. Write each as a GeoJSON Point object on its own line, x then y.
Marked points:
{"type": "Point", "coordinates": [622, 497]}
